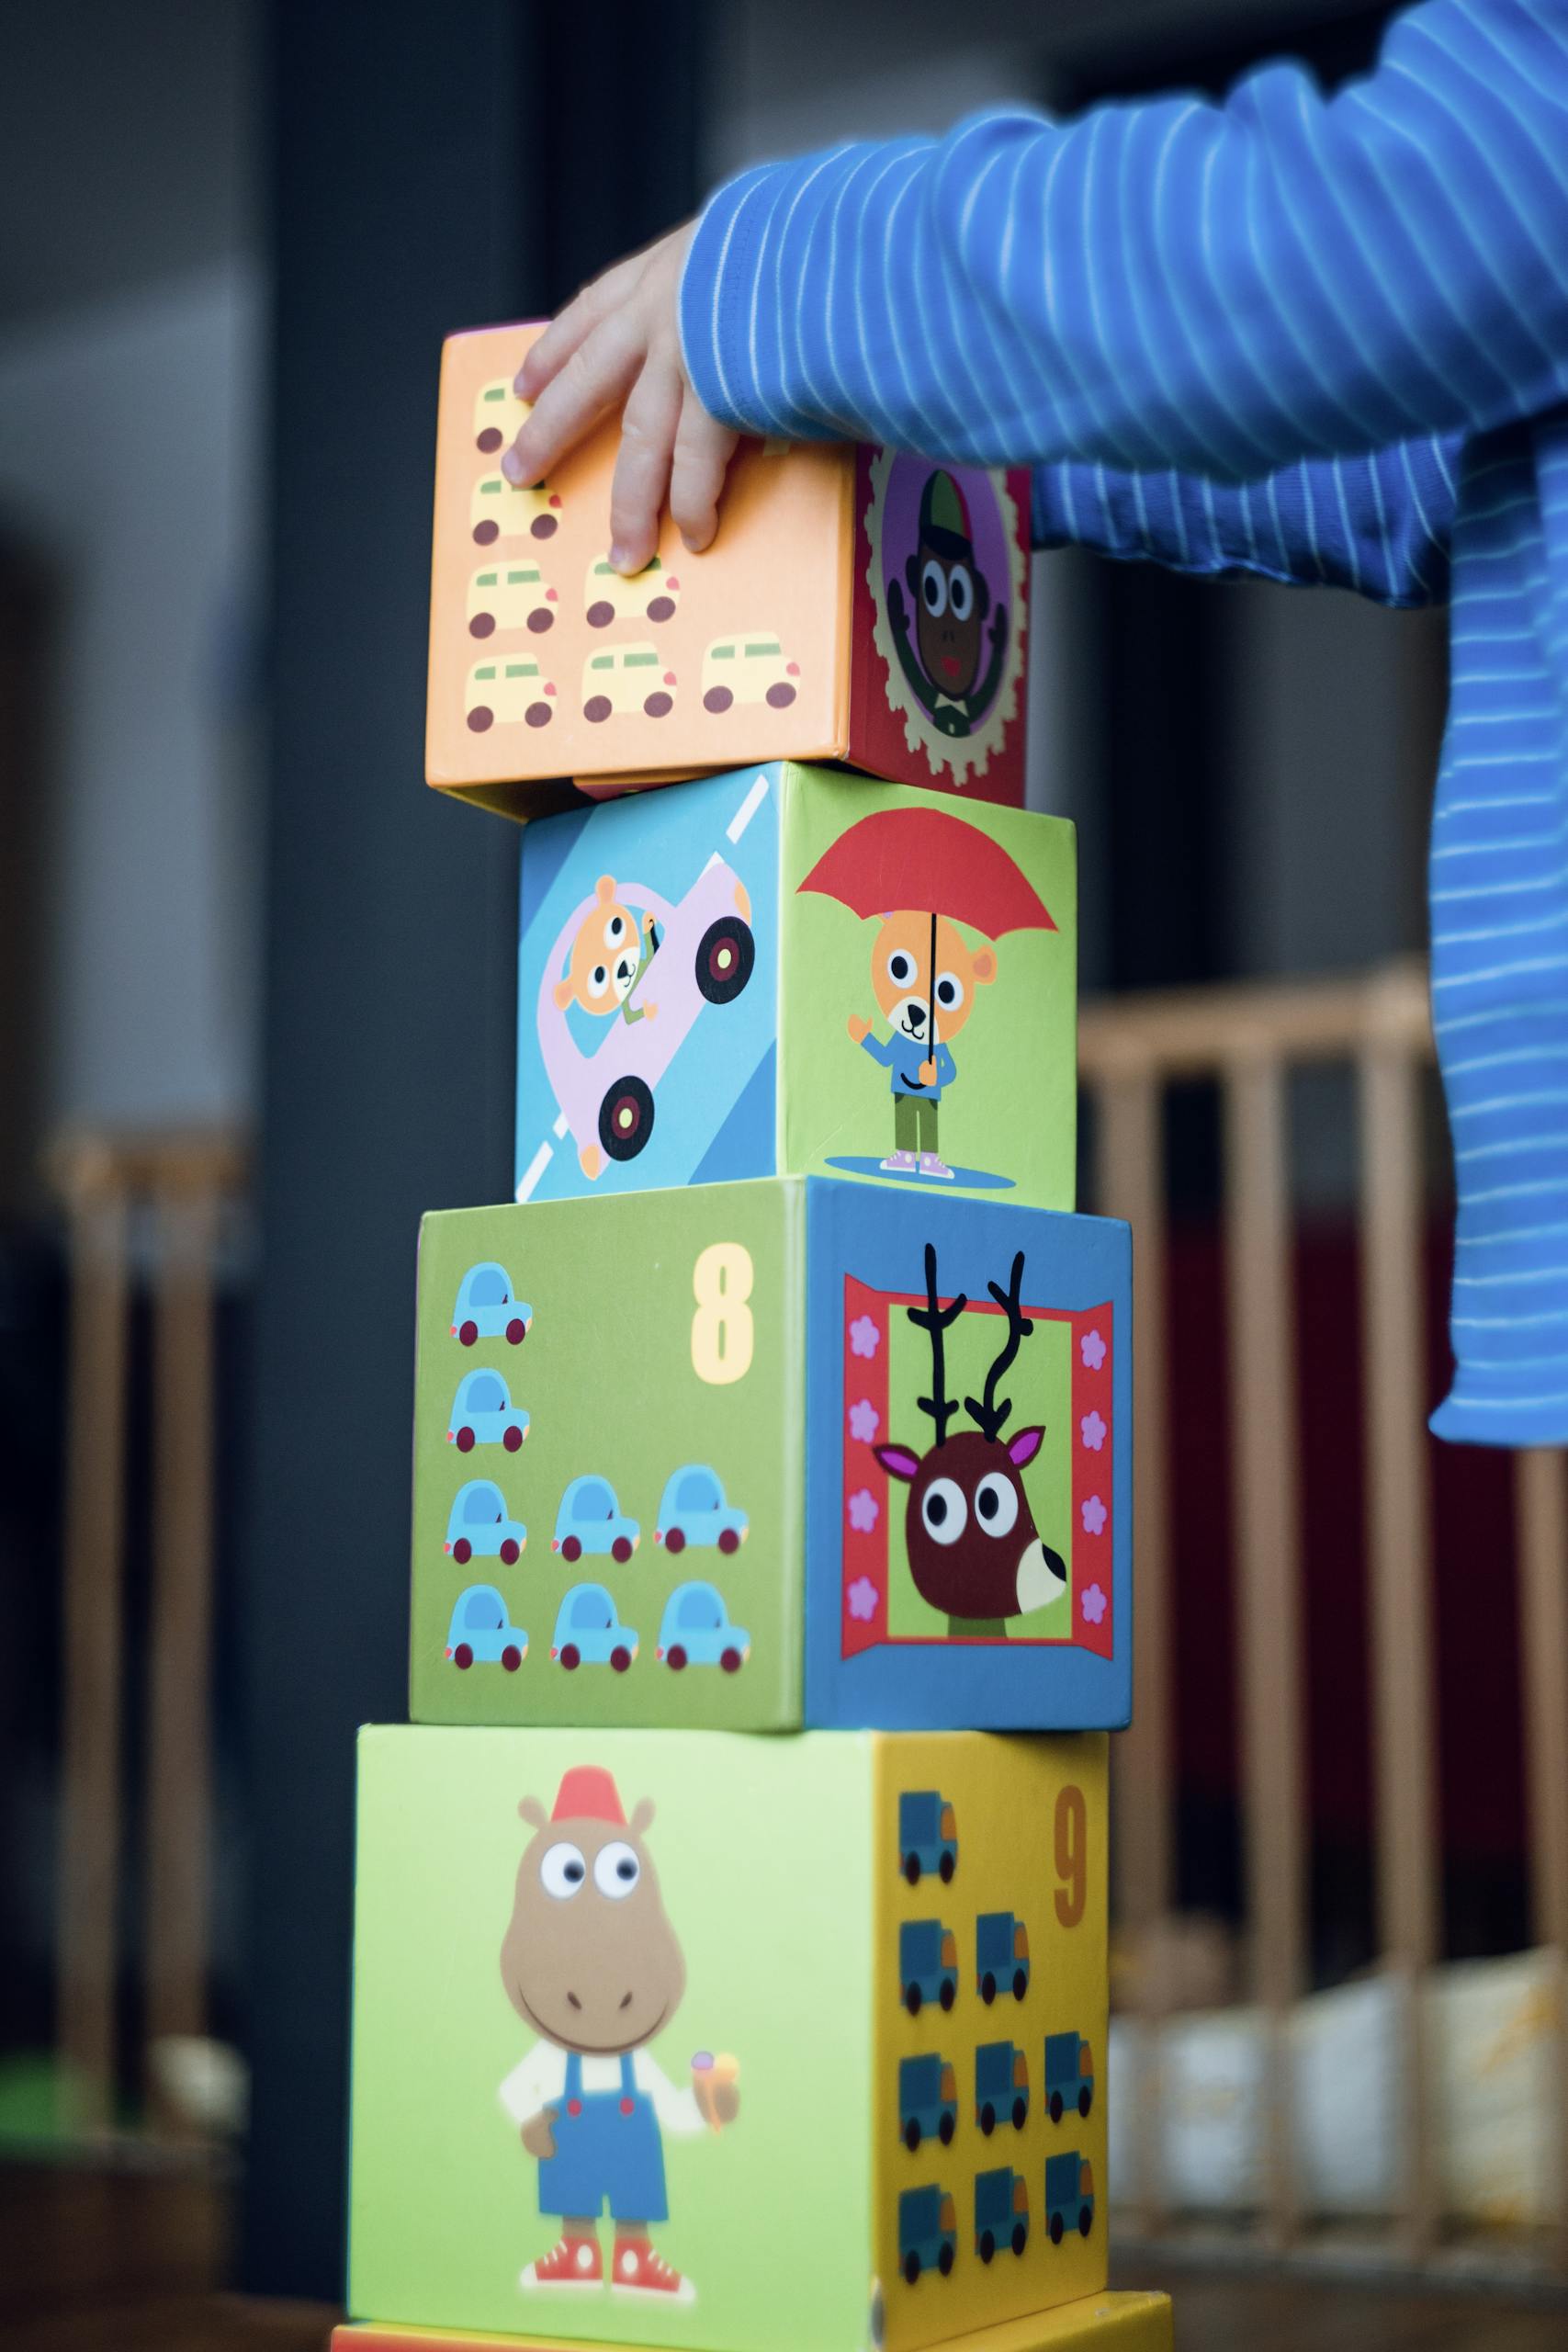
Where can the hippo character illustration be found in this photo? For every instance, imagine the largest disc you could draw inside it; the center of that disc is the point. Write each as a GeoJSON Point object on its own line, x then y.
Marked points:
{"type": "Point", "coordinates": [591, 1964]}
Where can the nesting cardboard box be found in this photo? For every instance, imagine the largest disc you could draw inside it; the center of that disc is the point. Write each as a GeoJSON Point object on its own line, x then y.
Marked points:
{"type": "Point", "coordinates": [758, 1455]}
{"type": "Point", "coordinates": [789, 970]}
{"type": "Point", "coordinates": [856, 606]}
{"type": "Point", "coordinates": [701, 2050]}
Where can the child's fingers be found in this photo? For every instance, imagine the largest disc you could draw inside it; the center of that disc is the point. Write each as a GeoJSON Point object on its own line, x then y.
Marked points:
{"type": "Point", "coordinates": [642, 468]}
{"type": "Point", "coordinates": [594, 379]}
{"type": "Point", "coordinates": [703, 450]}
{"type": "Point", "coordinates": [571, 326]}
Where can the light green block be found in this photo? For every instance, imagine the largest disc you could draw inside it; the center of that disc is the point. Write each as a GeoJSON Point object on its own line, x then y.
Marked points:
{"type": "Point", "coordinates": [846, 1929]}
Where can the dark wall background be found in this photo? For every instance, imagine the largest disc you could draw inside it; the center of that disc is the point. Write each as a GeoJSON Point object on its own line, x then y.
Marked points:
{"type": "Point", "coordinates": [429, 169]}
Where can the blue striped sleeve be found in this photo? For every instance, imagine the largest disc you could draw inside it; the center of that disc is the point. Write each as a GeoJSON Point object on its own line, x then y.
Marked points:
{"type": "Point", "coordinates": [1381, 524]}
{"type": "Point", "coordinates": [1220, 288]}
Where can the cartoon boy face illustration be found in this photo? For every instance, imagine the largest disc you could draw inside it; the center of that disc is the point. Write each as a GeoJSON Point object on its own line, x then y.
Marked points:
{"type": "Point", "coordinates": [926, 1004]}
{"type": "Point", "coordinates": [591, 1962]}
{"type": "Point", "coordinates": [954, 617]}
{"type": "Point", "coordinates": [609, 955]}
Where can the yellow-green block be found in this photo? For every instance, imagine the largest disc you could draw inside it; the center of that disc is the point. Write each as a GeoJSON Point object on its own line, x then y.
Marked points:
{"type": "Point", "coordinates": [729, 2043]}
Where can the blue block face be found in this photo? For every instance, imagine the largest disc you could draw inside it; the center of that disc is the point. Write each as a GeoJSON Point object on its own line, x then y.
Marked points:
{"type": "Point", "coordinates": [627, 1081]}
{"type": "Point", "coordinates": [969, 1466]}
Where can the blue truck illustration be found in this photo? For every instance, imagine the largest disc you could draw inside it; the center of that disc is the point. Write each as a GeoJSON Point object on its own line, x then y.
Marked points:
{"type": "Point", "coordinates": [928, 2232]}
{"type": "Point", "coordinates": [928, 2101]}
{"type": "Point", "coordinates": [1001, 2085]}
{"type": "Point", "coordinates": [928, 1839]}
{"type": "Point", "coordinates": [1069, 2196]}
{"type": "Point", "coordinates": [1001, 1954]}
{"type": "Point", "coordinates": [1001, 2212]}
{"type": "Point", "coordinates": [928, 1964]}
{"type": "Point", "coordinates": [1069, 2075]}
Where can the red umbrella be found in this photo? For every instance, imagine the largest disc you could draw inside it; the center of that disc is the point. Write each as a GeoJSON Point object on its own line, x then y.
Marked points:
{"type": "Point", "coordinates": [924, 858]}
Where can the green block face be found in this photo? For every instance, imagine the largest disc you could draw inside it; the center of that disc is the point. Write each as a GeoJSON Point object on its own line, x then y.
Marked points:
{"type": "Point", "coordinates": [817, 2023]}
{"type": "Point", "coordinates": [786, 970]}
{"type": "Point", "coordinates": [678, 1462]}
{"type": "Point", "coordinates": [655, 1361]}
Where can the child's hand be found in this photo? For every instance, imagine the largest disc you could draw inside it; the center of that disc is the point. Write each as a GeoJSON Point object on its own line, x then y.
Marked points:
{"type": "Point", "coordinates": [619, 343]}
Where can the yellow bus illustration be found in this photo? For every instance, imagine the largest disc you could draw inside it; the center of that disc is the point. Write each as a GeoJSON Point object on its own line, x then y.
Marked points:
{"type": "Point", "coordinates": [508, 694]}
{"type": "Point", "coordinates": [748, 669]}
{"type": "Point", "coordinates": [499, 510]}
{"type": "Point", "coordinates": [510, 596]}
{"type": "Point", "coordinates": [607, 596]}
{"type": "Point", "coordinates": [497, 412]}
{"type": "Point", "coordinates": [627, 678]}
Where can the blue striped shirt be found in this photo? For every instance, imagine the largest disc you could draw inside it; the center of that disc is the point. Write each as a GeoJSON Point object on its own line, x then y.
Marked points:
{"type": "Point", "coordinates": [1316, 339]}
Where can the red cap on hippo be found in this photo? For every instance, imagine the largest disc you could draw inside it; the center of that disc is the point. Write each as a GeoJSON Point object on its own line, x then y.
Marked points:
{"type": "Point", "coordinates": [589, 1794]}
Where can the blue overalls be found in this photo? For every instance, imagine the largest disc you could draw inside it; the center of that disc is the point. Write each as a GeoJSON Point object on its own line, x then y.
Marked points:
{"type": "Point", "coordinates": [607, 2150]}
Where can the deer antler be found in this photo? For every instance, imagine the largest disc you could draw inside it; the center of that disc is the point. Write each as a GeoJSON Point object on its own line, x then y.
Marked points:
{"type": "Point", "coordinates": [935, 1319]}
{"type": "Point", "coordinates": [989, 1417]}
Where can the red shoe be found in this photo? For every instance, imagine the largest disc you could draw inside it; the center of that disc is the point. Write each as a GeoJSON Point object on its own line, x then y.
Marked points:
{"type": "Point", "coordinates": [638, 2270]}
{"type": "Point", "coordinates": [575, 2262]}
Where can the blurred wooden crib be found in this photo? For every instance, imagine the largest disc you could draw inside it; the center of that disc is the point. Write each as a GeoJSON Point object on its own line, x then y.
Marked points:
{"type": "Point", "coordinates": [1304, 2123]}
{"type": "Point", "coordinates": [146, 1216]}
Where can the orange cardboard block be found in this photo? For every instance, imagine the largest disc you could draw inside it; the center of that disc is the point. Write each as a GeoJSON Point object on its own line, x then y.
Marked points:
{"type": "Point", "coordinates": [1103, 2323]}
{"type": "Point", "coordinates": [856, 606]}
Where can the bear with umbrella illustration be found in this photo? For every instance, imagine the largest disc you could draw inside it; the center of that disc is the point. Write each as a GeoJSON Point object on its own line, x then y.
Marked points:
{"type": "Point", "coordinates": [919, 874]}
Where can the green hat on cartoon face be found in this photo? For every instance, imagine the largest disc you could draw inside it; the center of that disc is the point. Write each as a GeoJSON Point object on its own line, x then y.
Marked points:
{"type": "Point", "coordinates": [944, 516]}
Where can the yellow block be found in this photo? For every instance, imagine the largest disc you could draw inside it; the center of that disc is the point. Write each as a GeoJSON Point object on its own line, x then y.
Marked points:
{"type": "Point", "coordinates": [1022, 2202]}
{"type": "Point", "coordinates": [1109, 2323]}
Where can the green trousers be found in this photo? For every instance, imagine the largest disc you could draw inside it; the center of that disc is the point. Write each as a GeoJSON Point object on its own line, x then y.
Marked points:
{"type": "Point", "coordinates": [914, 1123]}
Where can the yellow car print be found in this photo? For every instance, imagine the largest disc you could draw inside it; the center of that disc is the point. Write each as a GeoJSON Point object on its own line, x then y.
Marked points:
{"type": "Point", "coordinates": [607, 597]}
{"type": "Point", "coordinates": [627, 678]}
{"type": "Point", "coordinates": [748, 669]}
{"type": "Point", "coordinates": [508, 694]}
{"type": "Point", "coordinates": [497, 412]}
{"type": "Point", "coordinates": [510, 596]}
{"type": "Point", "coordinates": [498, 510]}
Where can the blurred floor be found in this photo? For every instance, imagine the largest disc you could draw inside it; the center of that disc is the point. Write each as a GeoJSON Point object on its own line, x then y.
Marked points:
{"type": "Point", "coordinates": [123, 2262]}
{"type": "Point", "coordinates": [126, 2263]}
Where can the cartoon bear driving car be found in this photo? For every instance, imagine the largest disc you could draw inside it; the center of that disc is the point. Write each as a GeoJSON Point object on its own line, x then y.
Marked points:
{"type": "Point", "coordinates": [609, 955]}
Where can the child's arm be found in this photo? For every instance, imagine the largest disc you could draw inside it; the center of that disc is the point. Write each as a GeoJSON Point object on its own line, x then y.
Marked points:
{"type": "Point", "coordinates": [1379, 524]}
{"type": "Point", "coordinates": [1221, 289]}
{"type": "Point", "coordinates": [1224, 290]}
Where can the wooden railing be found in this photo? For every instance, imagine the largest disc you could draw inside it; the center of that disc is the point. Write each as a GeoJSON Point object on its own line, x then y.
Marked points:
{"type": "Point", "coordinates": [134, 1203]}
{"type": "Point", "coordinates": [1247, 1041]}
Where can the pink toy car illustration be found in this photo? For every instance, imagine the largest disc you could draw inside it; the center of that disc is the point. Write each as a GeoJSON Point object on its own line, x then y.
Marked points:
{"type": "Point", "coordinates": [705, 956]}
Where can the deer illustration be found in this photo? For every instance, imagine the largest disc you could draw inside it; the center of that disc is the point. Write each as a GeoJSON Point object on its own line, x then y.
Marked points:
{"type": "Point", "coordinates": [970, 1534]}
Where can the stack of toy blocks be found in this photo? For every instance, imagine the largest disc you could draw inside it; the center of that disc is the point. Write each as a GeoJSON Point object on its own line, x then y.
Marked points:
{"type": "Point", "coordinates": [731, 1963]}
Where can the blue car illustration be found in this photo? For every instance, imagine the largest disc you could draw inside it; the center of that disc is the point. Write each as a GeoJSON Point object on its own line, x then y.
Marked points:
{"type": "Point", "coordinates": [481, 1527]}
{"type": "Point", "coordinates": [692, 1510]}
{"type": "Point", "coordinates": [483, 1414]}
{"type": "Point", "coordinates": [486, 1308]}
{"type": "Point", "coordinates": [588, 1632]}
{"type": "Point", "coordinates": [697, 1631]}
{"type": "Point", "coordinates": [481, 1633]}
{"type": "Point", "coordinates": [591, 1520]}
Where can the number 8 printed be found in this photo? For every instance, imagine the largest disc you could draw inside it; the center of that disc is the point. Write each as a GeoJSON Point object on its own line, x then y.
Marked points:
{"type": "Point", "coordinates": [722, 1330]}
